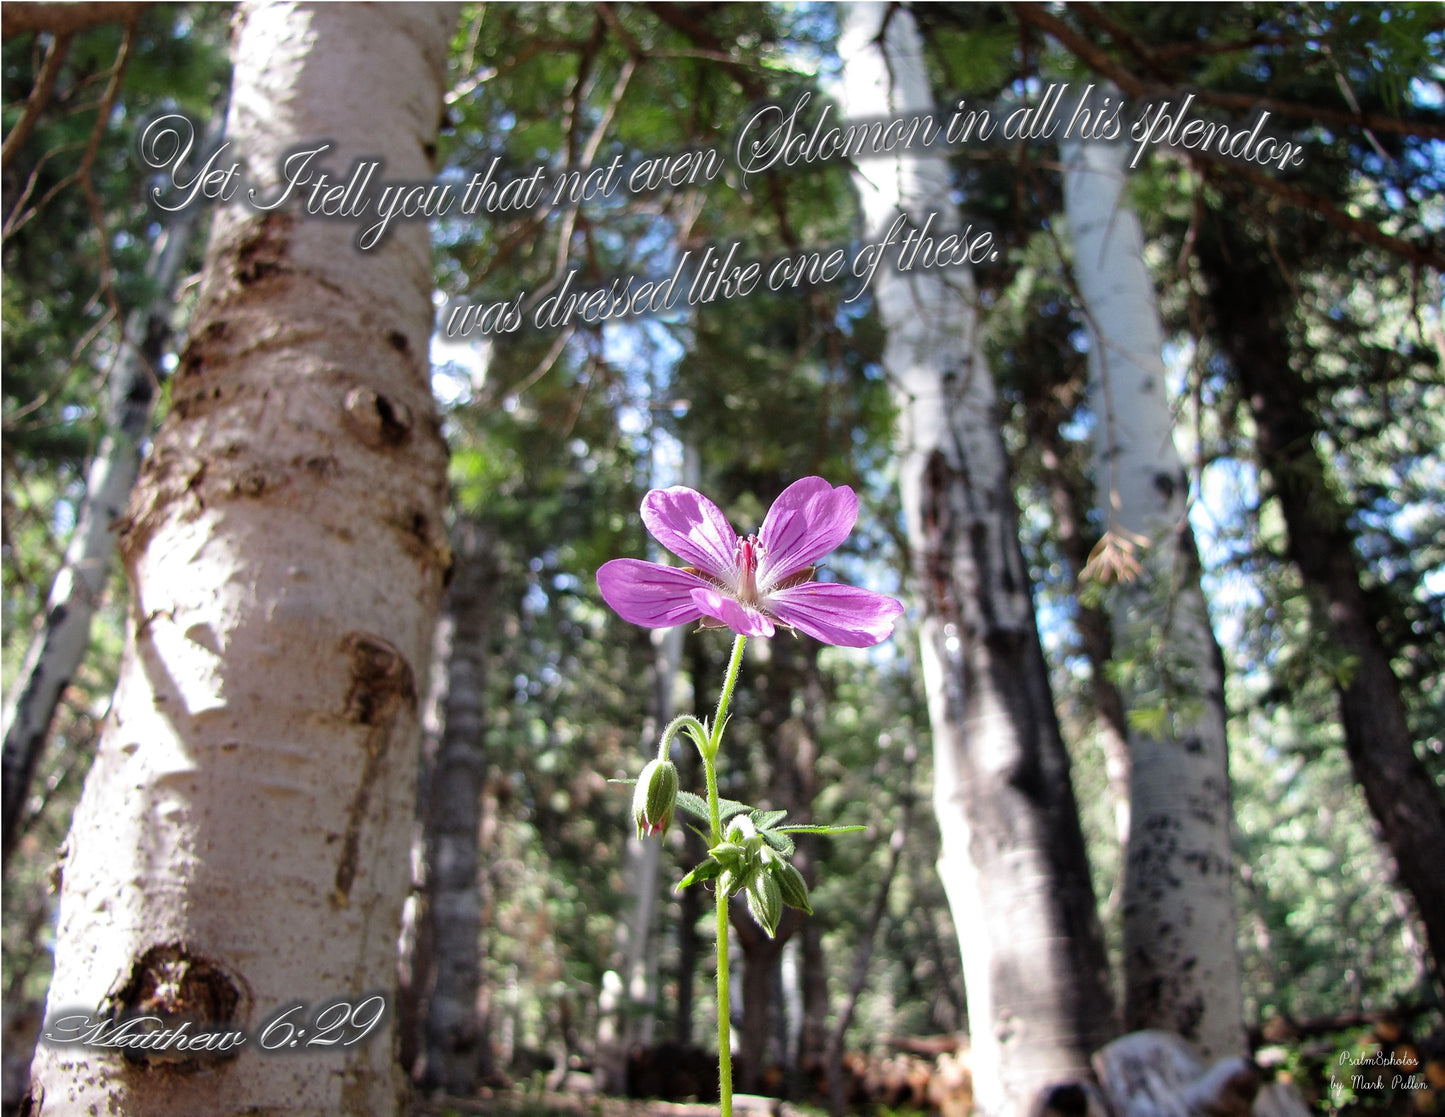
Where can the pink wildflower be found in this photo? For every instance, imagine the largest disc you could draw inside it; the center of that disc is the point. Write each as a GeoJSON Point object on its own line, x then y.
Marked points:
{"type": "Point", "coordinates": [750, 583]}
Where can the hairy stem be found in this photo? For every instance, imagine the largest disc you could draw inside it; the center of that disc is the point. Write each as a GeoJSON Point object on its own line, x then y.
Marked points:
{"type": "Point", "coordinates": [724, 1012]}
{"type": "Point", "coordinates": [714, 812]}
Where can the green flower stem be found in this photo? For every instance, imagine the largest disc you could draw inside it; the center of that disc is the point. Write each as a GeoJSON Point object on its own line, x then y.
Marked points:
{"type": "Point", "coordinates": [714, 812]}
{"type": "Point", "coordinates": [724, 1012]}
{"type": "Point", "coordinates": [723, 699]}
{"type": "Point", "coordinates": [696, 730]}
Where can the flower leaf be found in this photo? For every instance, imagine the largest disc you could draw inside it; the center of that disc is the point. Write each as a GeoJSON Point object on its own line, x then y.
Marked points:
{"type": "Point", "coordinates": [780, 842]}
{"type": "Point", "coordinates": [694, 805]}
{"type": "Point", "coordinates": [766, 820]}
{"type": "Point", "coordinates": [818, 829]}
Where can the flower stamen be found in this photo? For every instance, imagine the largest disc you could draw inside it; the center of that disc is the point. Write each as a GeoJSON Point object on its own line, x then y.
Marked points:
{"type": "Point", "coordinates": [749, 552]}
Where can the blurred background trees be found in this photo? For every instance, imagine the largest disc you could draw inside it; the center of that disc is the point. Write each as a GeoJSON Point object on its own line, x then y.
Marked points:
{"type": "Point", "coordinates": [1303, 350]}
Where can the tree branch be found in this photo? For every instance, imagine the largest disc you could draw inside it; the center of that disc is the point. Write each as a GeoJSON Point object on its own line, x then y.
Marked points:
{"type": "Point", "coordinates": [65, 19]}
{"type": "Point", "coordinates": [1225, 174]}
{"type": "Point", "coordinates": [39, 97]}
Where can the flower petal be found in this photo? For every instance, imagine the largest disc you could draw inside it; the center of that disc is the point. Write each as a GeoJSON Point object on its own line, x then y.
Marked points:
{"type": "Point", "coordinates": [807, 521]}
{"type": "Point", "coordinates": [738, 617]}
{"type": "Point", "coordinates": [835, 614]}
{"type": "Point", "coordinates": [648, 593]}
{"type": "Point", "coordinates": [693, 528]}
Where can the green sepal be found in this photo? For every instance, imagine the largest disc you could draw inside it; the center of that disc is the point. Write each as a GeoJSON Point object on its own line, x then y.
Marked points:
{"type": "Point", "coordinates": [707, 870]}
{"type": "Point", "coordinates": [729, 852]}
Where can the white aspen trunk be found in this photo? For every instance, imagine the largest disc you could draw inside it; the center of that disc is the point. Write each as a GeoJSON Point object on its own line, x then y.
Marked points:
{"type": "Point", "coordinates": [242, 840]}
{"type": "Point", "coordinates": [58, 649]}
{"type": "Point", "coordinates": [1012, 860]}
{"type": "Point", "coordinates": [1181, 961]}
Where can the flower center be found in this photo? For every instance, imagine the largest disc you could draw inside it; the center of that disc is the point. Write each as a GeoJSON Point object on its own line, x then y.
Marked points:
{"type": "Point", "coordinates": [749, 551]}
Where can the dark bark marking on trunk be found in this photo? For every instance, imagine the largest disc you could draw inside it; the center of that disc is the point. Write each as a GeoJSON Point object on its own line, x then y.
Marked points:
{"type": "Point", "coordinates": [261, 252]}
{"type": "Point", "coordinates": [381, 680]}
{"type": "Point", "coordinates": [382, 684]}
{"type": "Point", "coordinates": [375, 744]}
{"type": "Point", "coordinates": [380, 422]}
{"type": "Point", "coordinates": [254, 481]}
{"type": "Point", "coordinates": [197, 351]}
{"type": "Point", "coordinates": [419, 537]}
{"type": "Point", "coordinates": [176, 984]}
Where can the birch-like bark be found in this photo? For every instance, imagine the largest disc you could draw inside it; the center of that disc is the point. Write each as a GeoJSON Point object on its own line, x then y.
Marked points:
{"type": "Point", "coordinates": [1181, 961]}
{"type": "Point", "coordinates": [242, 840]}
{"type": "Point", "coordinates": [56, 651]}
{"type": "Point", "coordinates": [1013, 860]}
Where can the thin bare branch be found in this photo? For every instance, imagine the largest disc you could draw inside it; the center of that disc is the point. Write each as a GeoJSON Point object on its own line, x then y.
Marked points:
{"type": "Point", "coordinates": [38, 99]}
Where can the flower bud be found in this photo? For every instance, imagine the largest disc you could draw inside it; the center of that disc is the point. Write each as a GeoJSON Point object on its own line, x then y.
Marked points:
{"type": "Point", "coordinates": [655, 797]}
{"type": "Point", "coordinates": [792, 886]}
{"type": "Point", "coordinates": [765, 902]}
{"type": "Point", "coordinates": [741, 830]}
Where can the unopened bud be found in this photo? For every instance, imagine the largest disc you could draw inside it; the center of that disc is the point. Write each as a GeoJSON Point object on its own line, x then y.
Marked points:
{"type": "Point", "coordinates": [765, 902]}
{"type": "Point", "coordinates": [741, 830]}
{"type": "Point", "coordinates": [655, 797]}
{"type": "Point", "coordinates": [791, 884]}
